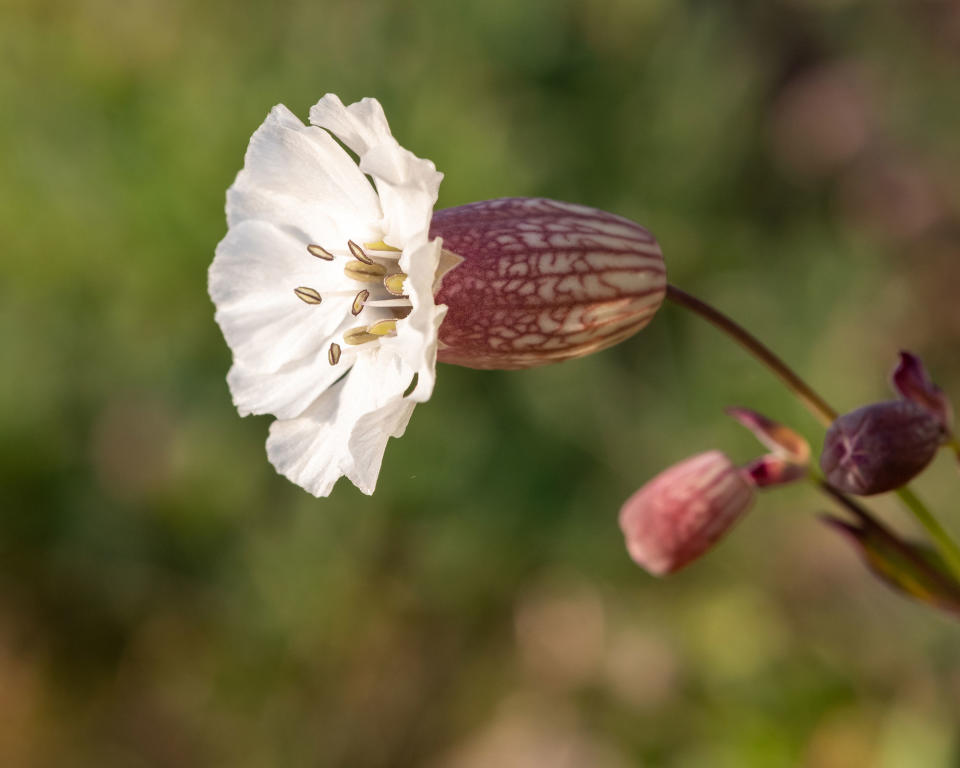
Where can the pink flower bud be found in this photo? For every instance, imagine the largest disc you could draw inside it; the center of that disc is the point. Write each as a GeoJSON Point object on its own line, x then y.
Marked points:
{"type": "Point", "coordinates": [684, 511]}
{"type": "Point", "coordinates": [542, 281]}
{"type": "Point", "coordinates": [880, 447]}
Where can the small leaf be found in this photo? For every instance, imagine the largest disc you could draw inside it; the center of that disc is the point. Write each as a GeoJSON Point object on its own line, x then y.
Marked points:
{"type": "Point", "coordinates": [911, 380]}
{"type": "Point", "coordinates": [909, 568]}
{"type": "Point", "coordinates": [783, 441]}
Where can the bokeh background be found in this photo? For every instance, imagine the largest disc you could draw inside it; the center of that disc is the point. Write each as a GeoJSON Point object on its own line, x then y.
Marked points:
{"type": "Point", "coordinates": [167, 600]}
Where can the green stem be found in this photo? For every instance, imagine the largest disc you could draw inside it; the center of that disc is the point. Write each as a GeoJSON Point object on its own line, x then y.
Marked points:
{"type": "Point", "coordinates": [807, 395]}
{"type": "Point", "coordinates": [814, 403]}
{"type": "Point", "coordinates": [948, 548]}
{"type": "Point", "coordinates": [954, 445]}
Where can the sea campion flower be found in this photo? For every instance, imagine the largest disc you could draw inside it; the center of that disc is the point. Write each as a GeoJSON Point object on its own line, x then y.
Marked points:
{"type": "Point", "coordinates": [331, 291]}
{"type": "Point", "coordinates": [321, 275]}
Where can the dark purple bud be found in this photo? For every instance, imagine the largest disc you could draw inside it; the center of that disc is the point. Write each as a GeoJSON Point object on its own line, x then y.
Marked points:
{"type": "Point", "coordinates": [533, 281]}
{"type": "Point", "coordinates": [911, 569]}
{"type": "Point", "coordinates": [684, 511]}
{"type": "Point", "coordinates": [783, 441]}
{"type": "Point", "coordinates": [880, 447]}
{"type": "Point", "coordinates": [912, 382]}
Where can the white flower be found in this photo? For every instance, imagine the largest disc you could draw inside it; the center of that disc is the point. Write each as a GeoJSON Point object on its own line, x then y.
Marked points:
{"type": "Point", "coordinates": [324, 289]}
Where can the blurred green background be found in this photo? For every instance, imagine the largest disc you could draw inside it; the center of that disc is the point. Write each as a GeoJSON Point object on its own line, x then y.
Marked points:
{"type": "Point", "coordinates": [167, 600]}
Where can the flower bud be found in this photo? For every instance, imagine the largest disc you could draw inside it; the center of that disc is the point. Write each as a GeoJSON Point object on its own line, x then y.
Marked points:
{"type": "Point", "coordinates": [684, 511]}
{"type": "Point", "coordinates": [880, 447]}
{"type": "Point", "coordinates": [536, 281]}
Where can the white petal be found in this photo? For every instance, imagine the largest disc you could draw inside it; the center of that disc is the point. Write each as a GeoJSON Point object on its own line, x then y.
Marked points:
{"type": "Point", "coordinates": [407, 184]}
{"type": "Point", "coordinates": [309, 450]}
{"type": "Point", "coordinates": [369, 441]}
{"type": "Point", "coordinates": [288, 392]}
{"type": "Point", "coordinates": [297, 176]}
{"type": "Point", "coordinates": [252, 281]}
{"type": "Point", "coordinates": [345, 431]}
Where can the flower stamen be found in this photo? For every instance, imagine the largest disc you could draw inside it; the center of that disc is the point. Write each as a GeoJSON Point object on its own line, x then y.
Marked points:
{"type": "Point", "coordinates": [357, 336]}
{"type": "Point", "coordinates": [358, 253]}
{"type": "Point", "coordinates": [320, 252]}
{"type": "Point", "coordinates": [308, 295]}
{"type": "Point", "coordinates": [383, 328]}
{"type": "Point", "coordinates": [394, 283]}
{"type": "Point", "coordinates": [364, 272]}
{"type": "Point", "coordinates": [359, 301]}
{"type": "Point", "coordinates": [400, 302]}
{"type": "Point", "coordinates": [333, 355]}
{"type": "Point", "coordinates": [382, 246]}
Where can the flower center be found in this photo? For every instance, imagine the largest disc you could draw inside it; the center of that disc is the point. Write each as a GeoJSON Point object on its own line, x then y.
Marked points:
{"type": "Point", "coordinates": [380, 297]}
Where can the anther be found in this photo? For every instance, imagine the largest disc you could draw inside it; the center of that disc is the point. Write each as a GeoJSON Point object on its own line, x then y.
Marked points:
{"type": "Point", "coordinates": [309, 295]}
{"type": "Point", "coordinates": [358, 253]}
{"type": "Point", "coordinates": [359, 301]}
{"type": "Point", "coordinates": [320, 252]}
{"type": "Point", "coordinates": [382, 327]}
{"type": "Point", "coordinates": [360, 335]}
{"type": "Point", "coordinates": [381, 246]}
{"type": "Point", "coordinates": [333, 355]}
{"type": "Point", "coordinates": [394, 283]}
{"type": "Point", "coordinates": [363, 272]}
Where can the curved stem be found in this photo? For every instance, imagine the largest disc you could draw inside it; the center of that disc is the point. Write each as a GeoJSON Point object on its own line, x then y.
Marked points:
{"type": "Point", "coordinates": [807, 395]}
{"type": "Point", "coordinates": [814, 403]}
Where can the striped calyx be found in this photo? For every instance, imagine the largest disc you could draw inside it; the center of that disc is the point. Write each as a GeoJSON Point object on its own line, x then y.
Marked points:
{"type": "Point", "coordinates": [538, 281]}
{"type": "Point", "coordinates": [684, 511]}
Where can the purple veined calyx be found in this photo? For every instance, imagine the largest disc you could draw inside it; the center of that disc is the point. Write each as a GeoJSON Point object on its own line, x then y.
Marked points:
{"type": "Point", "coordinates": [538, 281]}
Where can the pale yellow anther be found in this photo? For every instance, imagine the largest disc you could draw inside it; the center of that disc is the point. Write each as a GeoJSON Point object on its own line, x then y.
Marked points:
{"type": "Point", "coordinates": [320, 252]}
{"type": "Point", "coordinates": [394, 283]}
{"type": "Point", "coordinates": [358, 253]}
{"type": "Point", "coordinates": [309, 295]}
{"type": "Point", "coordinates": [380, 246]}
{"type": "Point", "coordinates": [358, 302]}
{"type": "Point", "coordinates": [365, 273]}
{"type": "Point", "coordinates": [333, 355]}
{"type": "Point", "coordinates": [360, 335]}
{"type": "Point", "coordinates": [382, 327]}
